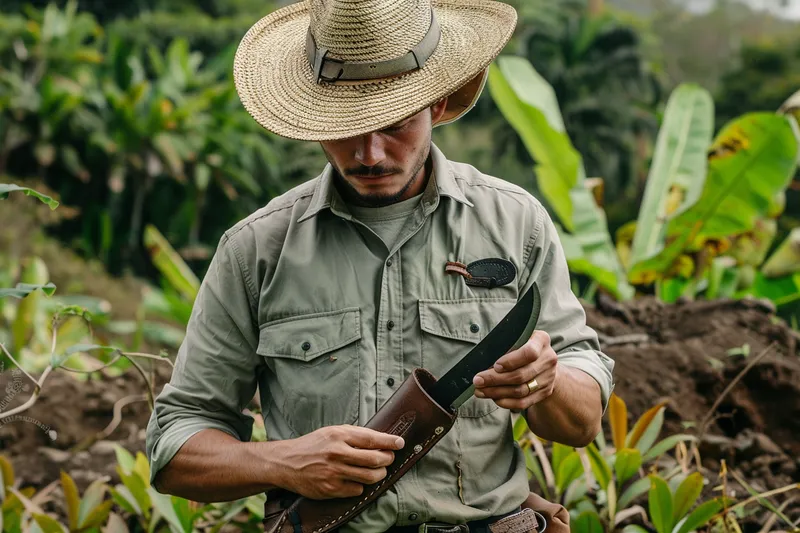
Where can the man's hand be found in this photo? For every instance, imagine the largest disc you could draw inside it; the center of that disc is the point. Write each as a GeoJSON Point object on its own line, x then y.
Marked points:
{"type": "Point", "coordinates": [336, 461]}
{"type": "Point", "coordinates": [507, 382]}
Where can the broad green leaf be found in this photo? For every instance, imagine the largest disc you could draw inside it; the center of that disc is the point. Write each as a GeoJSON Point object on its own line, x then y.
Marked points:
{"type": "Point", "coordinates": [627, 464]}
{"type": "Point", "coordinates": [636, 489]}
{"type": "Point", "coordinates": [6, 188]}
{"type": "Point", "coordinates": [686, 495]}
{"type": "Point", "coordinates": [642, 424]}
{"type": "Point", "coordinates": [786, 258]}
{"type": "Point", "coordinates": [48, 525]}
{"type": "Point", "coordinates": [660, 504]}
{"type": "Point", "coordinates": [125, 499]}
{"type": "Point", "coordinates": [165, 507]}
{"type": "Point", "coordinates": [618, 418]}
{"type": "Point", "coordinates": [700, 516]}
{"type": "Point", "coordinates": [751, 160]}
{"type": "Point", "coordinates": [665, 445]}
{"type": "Point", "coordinates": [520, 428]}
{"type": "Point", "coordinates": [184, 512]}
{"type": "Point", "coordinates": [599, 466]}
{"type": "Point", "coordinates": [24, 289]}
{"type": "Point", "coordinates": [578, 262]}
{"type": "Point", "coordinates": [255, 504]}
{"type": "Point", "coordinates": [22, 328]}
{"type": "Point", "coordinates": [530, 106]}
{"type": "Point", "coordinates": [678, 170]}
{"type": "Point", "coordinates": [570, 469]}
{"type": "Point", "coordinates": [559, 453]}
{"type": "Point", "coordinates": [92, 498]}
{"type": "Point", "coordinates": [781, 291]}
{"type": "Point", "coordinates": [72, 498]}
{"type": "Point", "coordinates": [98, 515]}
{"type": "Point", "coordinates": [170, 264]}
{"type": "Point", "coordinates": [587, 522]}
{"type": "Point", "coordinates": [535, 468]}
{"type": "Point", "coordinates": [124, 458]}
{"type": "Point", "coordinates": [138, 489]}
{"type": "Point", "coordinates": [142, 468]}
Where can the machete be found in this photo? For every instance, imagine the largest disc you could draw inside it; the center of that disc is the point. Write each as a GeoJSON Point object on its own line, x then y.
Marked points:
{"type": "Point", "coordinates": [455, 387]}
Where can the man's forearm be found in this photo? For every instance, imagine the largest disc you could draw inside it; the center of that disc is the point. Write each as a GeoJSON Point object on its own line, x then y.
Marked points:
{"type": "Point", "coordinates": [213, 466]}
{"type": "Point", "coordinates": [572, 414]}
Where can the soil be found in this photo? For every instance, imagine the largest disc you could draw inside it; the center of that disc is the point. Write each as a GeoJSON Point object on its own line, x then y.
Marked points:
{"type": "Point", "coordinates": [675, 353]}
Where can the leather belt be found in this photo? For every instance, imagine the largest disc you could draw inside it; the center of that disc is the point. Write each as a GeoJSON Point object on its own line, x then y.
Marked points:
{"type": "Point", "coordinates": [475, 526]}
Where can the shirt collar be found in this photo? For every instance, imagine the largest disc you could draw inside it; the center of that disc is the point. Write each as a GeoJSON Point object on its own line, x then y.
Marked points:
{"type": "Point", "coordinates": [443, 184]}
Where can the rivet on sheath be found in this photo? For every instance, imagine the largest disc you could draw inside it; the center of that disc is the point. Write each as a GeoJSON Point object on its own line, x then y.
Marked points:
{"type": "Point", "coordinates": [417, 448]}
{"type": "Point", "coordinates": [439, 430]}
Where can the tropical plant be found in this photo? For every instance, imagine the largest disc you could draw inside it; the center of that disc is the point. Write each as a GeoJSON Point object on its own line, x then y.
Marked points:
{"type": "Point", "coordinates": [700, 196]}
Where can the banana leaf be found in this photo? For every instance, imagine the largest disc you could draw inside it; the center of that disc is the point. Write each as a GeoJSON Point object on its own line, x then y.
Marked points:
{"type": "Point", "coordinates": [678, 171]}
{"type": "Point", "coordinates": [167, 260]}
{"type": "Point", "coordinates": [752, 159]}
{"type": "Point", "coordinates": [529, 104]}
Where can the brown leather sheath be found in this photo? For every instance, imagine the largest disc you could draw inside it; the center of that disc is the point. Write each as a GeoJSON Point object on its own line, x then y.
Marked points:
{"type": "Point", "coordinates": [410, 413]}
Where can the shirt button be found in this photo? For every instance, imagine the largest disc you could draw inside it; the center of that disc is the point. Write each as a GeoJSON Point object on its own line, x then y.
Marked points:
{"type": "Point", "coordinates": [306, 346]}
{"type": "Point", "coordinates": [389, 262]}
{"type": "Point", "coordinates": [390, 325]}
{"type": "Point", "coordinates": [413, 516]}
{"type": "Point", "coordinates": [474, 328]}
{"type": "Point", "coordinates": [390, 382]}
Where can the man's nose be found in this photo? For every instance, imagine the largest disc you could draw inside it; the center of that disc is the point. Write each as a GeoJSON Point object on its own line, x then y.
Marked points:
{"type": "Point", "coordinates": [369, 150]}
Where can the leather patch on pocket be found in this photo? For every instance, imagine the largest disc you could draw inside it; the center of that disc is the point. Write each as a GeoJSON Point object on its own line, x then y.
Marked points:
{"type": "Point", "coordinates": [489, 273]}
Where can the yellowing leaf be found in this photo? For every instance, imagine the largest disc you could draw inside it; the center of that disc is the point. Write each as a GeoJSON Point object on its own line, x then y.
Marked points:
{"type": "Point", "coordinates": [72, 498]}
{"type": "Point", "coordinates": [142, 468]}
{"type": "Point", "coordinates": [618, 418]}
{"type": "Point", "coordinates": [48, 525]}
{"type": "Point", "coordinates": [642, 424]}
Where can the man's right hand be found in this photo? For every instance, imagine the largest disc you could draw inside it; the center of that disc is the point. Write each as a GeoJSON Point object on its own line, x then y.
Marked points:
{"type": "Point", "coordinates": [336, 461]}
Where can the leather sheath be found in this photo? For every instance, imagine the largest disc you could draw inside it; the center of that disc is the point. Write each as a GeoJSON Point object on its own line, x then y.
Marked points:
{"type": "Point", "coordinates": [409, 413]}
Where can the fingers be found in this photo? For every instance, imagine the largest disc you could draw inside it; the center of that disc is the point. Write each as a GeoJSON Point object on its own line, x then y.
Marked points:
{"type": "Point", "coordinates": [544, 379]}
{"type": "Point", "coordinates": [520, 376]}
{"type": "Point", "coordinates": [366, 476]}
{"type": "Point", "coordinates": [526, 354]}
{"type": "Point", "coordinates": [365, 438]}
{"type": "Point", "coordinates": [368, 458]}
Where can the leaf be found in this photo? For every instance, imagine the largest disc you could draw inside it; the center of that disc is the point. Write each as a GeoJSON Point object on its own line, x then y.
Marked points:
{"type": "Point", "coordinates": [6, 476]}
{"type": "Point", "coordinates": [559, 453]}
{"type": "Point", "coordinates": [782, 291]}
{"type": "Point", "coordinates": [651, 433]}
{"type": "Point", "coordinates": [138, 490]}
{"type": "Point", "coordinates": [666, 445]}
{"type": "Point", "coordinates": [170, 264]}
{"type": "Point", "coordinates": [24, 289]}
{"type": "Point", "coordinates": [47, 524]}
{"type": "Point", "coordinates": [791, 106]}
{"type": "Point", "coordinates": [686, 495]}
{"type": "Point", "coordinates": [633, 528]}
{"type": "Point", "coordinates": [535, 468]}
{"type": "Point", "coordinates": [587, 522]}
{"type": "Point", "coordinates": [786, 258]}
{"type": "Point", "coordinates": [751, 160]}
{"type": "Point", "coordinates": [627, 464]}
{"type": "Point", "coordinates": [636, 489]}
{"type": "Point", "coordinates": [125, 499]}
{"type": "Point", "coordinates": [57, 360]}
{"type": "Point", "coordinates": [115, 525]}
{"type": "Point", "coordinates": [163, 503]}
{"type": "Point", "coordinates": [124, 458]}
{"type": "Point", "coordinates": [6, 188]}
{"type": "Point", "coordinates": [700, 516]}
{"type": "Point", "coordinates": [678, 170]}
{"type": "Point", "coordinates": [142, 468]}
{"type": "Point", "coordinates": [660, 504]}
{"type": "Point", "coordinates": [599, 466]}
{"type": "Point", "coordinates": [98, 515]}
{"type": "Point", "coordinates": [571, 468]}
{"type": "Point", "coordinates": [520, 428]}
{"type": "Point", "coordinates": [72, 499]}
{"type": "Point", "coordinates": [92, 498]}
{"type": "Point", "coordinates": [618, 418]}
{"type": "Point", "coordinates": [642, 424]}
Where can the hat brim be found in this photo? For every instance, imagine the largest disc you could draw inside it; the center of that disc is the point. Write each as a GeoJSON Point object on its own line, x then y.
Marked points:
{"type": "Point", "coordinates": [275, 81]}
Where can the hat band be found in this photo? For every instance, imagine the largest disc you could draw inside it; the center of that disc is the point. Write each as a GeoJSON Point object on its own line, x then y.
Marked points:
{"type": "Point", "coordinates": [331, 70]}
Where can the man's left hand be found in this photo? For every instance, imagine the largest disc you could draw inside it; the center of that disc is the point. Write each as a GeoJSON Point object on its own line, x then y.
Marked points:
{"type": "Point", "coordinates": [508, 382]}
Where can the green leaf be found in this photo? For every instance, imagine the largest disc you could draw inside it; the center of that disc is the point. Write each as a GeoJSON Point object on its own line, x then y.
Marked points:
{"type": "Point", "coordinates": [700, 516]}
{"type": "Point", "coordinates": [570, 469]}
{"type": "Point", "coordinates": [138, 490]}
{"type": "Point", "coordinates": [535, 468]}
{"type": "Point", "coordinates": [142, 468]}
{"type": "Point", "coordinates": [636, 489]}
{"type": "Point", "coordinates": [750, 162]}
{"type": "Point", "coordinates": [559, 453]}
{"type": "Point", "coordinates": [520, 428]}
{"type": "Point", "coordinates": [72, 499]}
{"type": "Point", "coordinates": [660, 504]}
{"type": "Point", "coordinates": [599, 466]}
{"type": "Point", "coordinates": [641, 425]}
{"type": "Point", "coordinates": [651, 433]}
{"type": "Point", "coordinates": [678, 170]}
{"type": "Point", "coordinates": [633, 528]}
{"type": "Point", "coordinates": [98, 515]}
{"type": "Point", "coordinates": [686, 495]}
{"type": "Point", "coordinates": [627, 464]}
{"type": "Point", "coordinates": [786, 258]}
{"type": "Point", "coordinates": [125, 499]}
{"type": "Point", "coordinates": [587, 522]}
{"type": "Point", "coordinates": [24, 289]}
{"type": "Point", "coordinates": [57, 360]}
{"type": "Point", "coordinates": [6, 477]}
{"type": "Point", "coordinates": [48, 525]}
{"type": "Point", "coordinates": [92, 498]}
{"type": "Point", "coordinates": [6, 188]}
{"type": "Point", "coordinates": [782, 291]}
{"type": "Point", "coordinates": [164, 504]}
{"type": "Point", "coordinates": [124, 458]}
{"type": "Point", "coordinates": [666, 445]}
{"type": "Point", "coordinates": [170, 264]}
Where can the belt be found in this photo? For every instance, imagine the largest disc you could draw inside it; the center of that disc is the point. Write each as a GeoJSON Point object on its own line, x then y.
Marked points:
{"type": "Point", "coordinates": [475, 526]}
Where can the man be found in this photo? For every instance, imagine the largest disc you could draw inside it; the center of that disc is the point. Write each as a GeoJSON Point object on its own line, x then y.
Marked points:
{"type": "Point", "coordinates": [328, 297]}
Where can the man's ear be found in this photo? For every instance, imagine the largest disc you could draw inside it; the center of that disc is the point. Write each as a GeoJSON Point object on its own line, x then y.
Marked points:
{"type": "Point", "coordinates": [438, 109]}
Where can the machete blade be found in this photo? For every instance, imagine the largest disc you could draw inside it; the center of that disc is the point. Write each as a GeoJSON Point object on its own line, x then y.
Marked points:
{"type": "Point", "coordinates": [455, 386]}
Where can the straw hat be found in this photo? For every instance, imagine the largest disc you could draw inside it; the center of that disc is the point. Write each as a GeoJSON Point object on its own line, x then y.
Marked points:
{"type": "Point", "coordinates": [331, 69]}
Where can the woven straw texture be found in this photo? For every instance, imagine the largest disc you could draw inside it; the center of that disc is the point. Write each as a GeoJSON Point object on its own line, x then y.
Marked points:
{"type": "Point", "coordinates": [275, 80]}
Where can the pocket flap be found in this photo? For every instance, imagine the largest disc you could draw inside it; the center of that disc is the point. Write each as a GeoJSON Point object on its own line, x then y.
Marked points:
{"type": "Point", "coordinates": [305, 337]}
{"type": "Point", "coordinates": [467, 320]}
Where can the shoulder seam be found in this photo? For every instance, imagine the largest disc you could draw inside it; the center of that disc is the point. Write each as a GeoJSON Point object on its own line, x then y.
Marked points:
{"type": "Point", "coordinates": [511, 190]}
{"type": "Point", "coordinates": [239, 227]}
{"type": "Point", "coordinates": [246, 275]}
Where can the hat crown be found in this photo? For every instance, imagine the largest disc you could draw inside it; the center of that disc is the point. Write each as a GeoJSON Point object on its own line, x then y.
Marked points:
{"type": "Point", "coordinates": [369, 30]}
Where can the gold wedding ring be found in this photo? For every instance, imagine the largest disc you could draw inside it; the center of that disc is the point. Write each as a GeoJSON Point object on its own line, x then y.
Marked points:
{"type": "Point", "coordinates": [533, 385]}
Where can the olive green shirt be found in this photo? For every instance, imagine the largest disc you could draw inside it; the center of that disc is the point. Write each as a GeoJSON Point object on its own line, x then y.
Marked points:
{"type": "Point", "coordinates": [309, 305]}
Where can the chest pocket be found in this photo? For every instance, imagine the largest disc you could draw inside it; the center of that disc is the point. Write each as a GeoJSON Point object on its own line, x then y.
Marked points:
{"type": "Point", "coordinates": [314, 364]}
{"type": "Point", "coordinates": [450, 329]}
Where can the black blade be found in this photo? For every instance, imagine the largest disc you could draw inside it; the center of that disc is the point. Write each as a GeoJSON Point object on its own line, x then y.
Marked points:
{"type": "Point", "coordinates": [455, 386]}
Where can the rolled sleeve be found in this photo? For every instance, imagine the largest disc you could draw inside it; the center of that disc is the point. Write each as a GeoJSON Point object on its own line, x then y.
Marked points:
{"type": "Point", "coordinates": [215, 373]}
{"type": "Point", "coordinates": [562, 315]}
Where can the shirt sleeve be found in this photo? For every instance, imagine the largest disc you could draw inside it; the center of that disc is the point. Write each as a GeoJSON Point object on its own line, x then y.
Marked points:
{"type": "Point", "coordinates": [562, 315]}
{"type": "Point", "coordinates": [215, 373]}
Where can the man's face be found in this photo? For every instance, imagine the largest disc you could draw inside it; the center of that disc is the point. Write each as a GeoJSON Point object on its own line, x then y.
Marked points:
{"type": "Point", "coordinates": [386, 166]}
